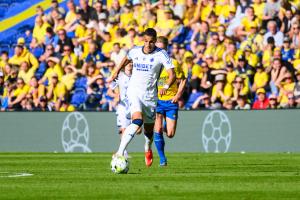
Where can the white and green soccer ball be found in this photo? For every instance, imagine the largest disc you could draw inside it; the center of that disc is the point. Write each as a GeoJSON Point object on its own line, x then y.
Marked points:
{"type": "Point", "coordinates": [119, 165]}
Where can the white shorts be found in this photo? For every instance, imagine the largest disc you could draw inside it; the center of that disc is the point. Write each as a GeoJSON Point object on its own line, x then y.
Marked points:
{"type": "Point", "coordinates": [146, 107]}
{"type": "Point", "coordinates": [123, 116]}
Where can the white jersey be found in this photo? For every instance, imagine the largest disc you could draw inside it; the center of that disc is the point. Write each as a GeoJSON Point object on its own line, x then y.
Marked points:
{"type": "Point", "coordinates": [146, 71]}
{"type": "Point", "coordinates": [123, 81]}
{"type": "Point", "coordinates": [122, 110]}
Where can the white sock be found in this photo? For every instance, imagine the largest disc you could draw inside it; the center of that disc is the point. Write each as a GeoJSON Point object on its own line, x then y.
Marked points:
{"type": "Point", "coordinates": [127, 137]}
{"type": "Point", "coordinates": [125, 153]}
{"type": "Point", "coordinates": [148, 143]}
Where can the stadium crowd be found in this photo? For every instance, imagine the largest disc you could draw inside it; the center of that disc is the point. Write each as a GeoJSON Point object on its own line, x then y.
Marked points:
{"type": "Point", "coordinates": [236, 54]}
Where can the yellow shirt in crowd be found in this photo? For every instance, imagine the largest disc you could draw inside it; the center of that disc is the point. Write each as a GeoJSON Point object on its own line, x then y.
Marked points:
{"type": "Point", "coordinates": [72, 59]}
{"type": "Point", "coordinates": [26, 56]}
{"type": "Point", "coordinates": [21, 91]}
{"type": "Point", "coordinates": [59, 91]}
{"type": "Point", "coordinates": [39, 32]}
{"type": "Point", "coordinates": [227, 90]}
{"type": "Point", "coordinates": [260, 79]}
{"type": "Point", "coordinates": [26, 76]}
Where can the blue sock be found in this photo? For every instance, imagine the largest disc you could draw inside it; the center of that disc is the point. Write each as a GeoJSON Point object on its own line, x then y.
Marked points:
{"type": "Point", "coordinates": [160, 146]}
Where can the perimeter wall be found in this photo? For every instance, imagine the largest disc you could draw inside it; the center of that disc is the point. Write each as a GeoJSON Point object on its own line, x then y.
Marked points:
{"type": "Point", "coordinates": [197, 131]}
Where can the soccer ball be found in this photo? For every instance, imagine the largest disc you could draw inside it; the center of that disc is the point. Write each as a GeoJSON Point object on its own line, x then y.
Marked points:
{"type": "Point", "coordinates": [119, 165]}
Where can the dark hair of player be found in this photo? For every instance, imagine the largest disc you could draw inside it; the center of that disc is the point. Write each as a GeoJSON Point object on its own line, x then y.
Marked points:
{"type": "Point", "coordinates": [150, 32]}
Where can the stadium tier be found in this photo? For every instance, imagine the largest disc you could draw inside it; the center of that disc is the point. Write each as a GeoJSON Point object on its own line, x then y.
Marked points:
{"type": "Point", "coordinates": [57, 55]}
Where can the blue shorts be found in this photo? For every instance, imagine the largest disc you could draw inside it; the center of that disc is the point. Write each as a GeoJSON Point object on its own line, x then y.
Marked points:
{"type": "Point", "coordinates": [168, 109]}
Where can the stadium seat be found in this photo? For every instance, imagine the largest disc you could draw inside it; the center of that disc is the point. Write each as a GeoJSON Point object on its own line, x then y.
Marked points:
{"type": "Point", "coordinates": [41, 70]}
{"type": "Point", "coordinates": [4, 47]}
{"type": "Point", "coordinates": [79, 97]}
{"type": "Point", "coordinates": [80, 83]}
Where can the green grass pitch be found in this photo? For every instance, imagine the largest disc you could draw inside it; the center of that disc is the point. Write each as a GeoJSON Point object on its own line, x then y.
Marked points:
{"type": "Point", "coordinates": [188, 176]}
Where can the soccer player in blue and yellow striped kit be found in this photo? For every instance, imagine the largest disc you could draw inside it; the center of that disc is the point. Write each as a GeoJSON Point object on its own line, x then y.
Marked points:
{"type": "Point", "coordinates": [167, 105]}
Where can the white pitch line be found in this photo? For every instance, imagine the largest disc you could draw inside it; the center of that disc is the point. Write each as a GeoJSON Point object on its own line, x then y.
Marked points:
{"type": "Point", "coordinates": [14, 175]}
{"type": "Point", "coordinates": [20, 175]}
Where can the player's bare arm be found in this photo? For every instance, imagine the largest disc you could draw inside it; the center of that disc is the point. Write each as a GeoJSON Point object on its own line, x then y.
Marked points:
{"type": "Point", "coordinates": [170, 81]}
{"type": "Point", "coordinates": [115, 74]}
{"type": "Point", "coordinates": [180, 91]}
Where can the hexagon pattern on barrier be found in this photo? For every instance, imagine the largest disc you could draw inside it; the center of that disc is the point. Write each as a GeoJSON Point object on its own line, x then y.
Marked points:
{"type": "Point", "coordinates": [216, 132]}
{"type": "Point", "coordinates": [75, 133]}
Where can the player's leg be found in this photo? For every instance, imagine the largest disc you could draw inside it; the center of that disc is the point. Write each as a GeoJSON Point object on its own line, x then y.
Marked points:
{"type": "Point", "coordinates": [123, 121]}
{"type": "Point", "coordinates": [171, 127]}
{"type": "Point", "coordinates": [159, 138]}
{"type": "Point", "coordinates": [148, 132]}
{"type": "Point", "coordinates": [136, 123]}
{"type": "Point", "coordinates": [171, 117]}
{"type": "Point", "coordinates": [130, 131]}
{"type": "Point", "coordinates": [149, 117]}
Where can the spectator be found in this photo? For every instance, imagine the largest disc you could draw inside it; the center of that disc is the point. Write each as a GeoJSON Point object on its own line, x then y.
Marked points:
{"type": "Point", "coordinates": [261, 78]}
{"type": "Point", "coordinates": [273, 104]}
{"type": "Point", "coordinates": [53, 67]}
{"type": "Point", "coordinates": [69, 58]}
{"type": "Point", "coordinates": [56, 91]}
{"type": "Point", "coordinates": [239, 88]}
{"type": "Point", "coordinates": [4, 60]}
{"type": "Point", "coordinates": [262, 101]}
{"type": "Point", "coordinates": [36, 90]}
{"type": "Point", "coordinates": [221, 92]}
{"type": "Point", "coordinates": [216, 50]}
{"type": "Point", "coordinates": [291, 101]}
{"type": "Point", "coordinates": [228, 105]}
{"type": "Point", "coordinates": [39, 11]}
{"type": "Point", "coordinates": [286, 86]}
{"type": "Point", "coordinates": [177, 8]}
{"type": "Point", "coordinates": [1, 85]}
{"type": "Point", "coordinates": [275, 33]}
{"type": "Point", "coordinates": [242, 67]}
{"type": "Point", "coordinates": [18, 95]}
{"type": "Point", "coordinates": [40, 27]}
{"type": "Point", "coordinates": [96, 94]}
{"type": "Point", "coordinates": [35, 48]}
{"type": "Point", "coordinates": [277, 75]}
{"type": "Point", "coordinates": [249, 20]}
{"type": "Point", "coordinates": [202, 102]}
{"type": "Point", "coordinates": [43, 106]}
{"type": "Point", "coordinates": [271, 10]}
{"type": "Point", "coordinates": [55, 5]}
{"type": "Point", "coordinates": [71, 16]}
{"type": "Point", "coordinates": [26, 72]}
{"type": "Point", "coordinates": [94, 56]}
{"type": "Point", "coordinates": [297, 89]}
{"type": "Point", "coordinates": [66, 106]}
{"type": "Point", "coordinates": [86, 12]}
{"type": "Point", "coordinates": [63, 41]}
{"type": "Point", "coordinates": [287, 21]}
{"type": "Point", "coordinates": [207, 78]}
{"type": "Point", "coordinates": [101, 12]}
{"type": "Point", "coordinates": [295, 35]}
{"type": "Point", "coordinates": [21, 55]}
{"type": "Point", "coordinates": [195, 93]}
{"type": "Point", "coordinates": [118, 54]}
{"type": "Point", "coordinates": [242, 103]}
{"type": "Point", "coordinates": [286, 51]}
{"type": "Point", "coordinates": [50, 37]}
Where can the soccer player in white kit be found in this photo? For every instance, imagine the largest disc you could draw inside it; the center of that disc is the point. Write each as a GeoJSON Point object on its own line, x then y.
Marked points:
{"type": "Point", "coordinates": [122, 110]}
{"type": "Point", "coordinates": [148, 61]}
